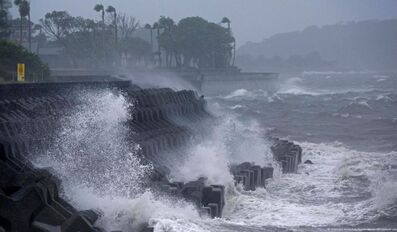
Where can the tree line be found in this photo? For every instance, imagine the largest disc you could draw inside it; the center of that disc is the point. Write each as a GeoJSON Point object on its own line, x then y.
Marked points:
{"type": "Point", "coordinates": [12, 53]}
{"type": "Point", "coordinates": [90, 43]}
{"type": "Point", "coordinates": [5, 5]}
{"type": "Point", "coordinates": [192, 42]}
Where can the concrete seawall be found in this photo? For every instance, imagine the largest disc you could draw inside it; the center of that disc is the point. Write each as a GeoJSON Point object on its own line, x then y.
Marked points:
{"type": "Point", "coordinates": [162, 120]}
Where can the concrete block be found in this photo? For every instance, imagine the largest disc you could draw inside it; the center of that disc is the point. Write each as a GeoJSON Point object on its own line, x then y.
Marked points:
{"type": "Point", "coordinates": [214, 210]}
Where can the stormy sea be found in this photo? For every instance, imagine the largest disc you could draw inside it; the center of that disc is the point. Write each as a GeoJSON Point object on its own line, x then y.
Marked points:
{"type": "Point", "coordinates": [346, 124]}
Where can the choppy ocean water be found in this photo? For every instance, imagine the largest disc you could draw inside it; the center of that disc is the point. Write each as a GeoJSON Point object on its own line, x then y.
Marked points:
{"type": "Point", "coordinates": [346, 124]}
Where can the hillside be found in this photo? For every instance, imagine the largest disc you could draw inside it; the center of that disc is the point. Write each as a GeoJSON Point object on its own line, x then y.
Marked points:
{"type": "Point", "coordinates": [365, 45]}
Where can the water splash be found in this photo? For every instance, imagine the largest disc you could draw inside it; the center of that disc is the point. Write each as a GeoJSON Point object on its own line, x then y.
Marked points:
{"type": "Point", "coordinates": [343, 186]}
{"type": "Point", "coordinates": [230, 141]}
{"type": "Point", "coordinates": [93, 153]}
{"type": "Point", "coordinates": [134, 214]}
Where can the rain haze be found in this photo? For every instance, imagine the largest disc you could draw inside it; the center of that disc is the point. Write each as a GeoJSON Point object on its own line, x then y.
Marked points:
{"type": "Point", "coordinates": [198, 115]}
{"type": "Point", "coordinates": [252, 20]}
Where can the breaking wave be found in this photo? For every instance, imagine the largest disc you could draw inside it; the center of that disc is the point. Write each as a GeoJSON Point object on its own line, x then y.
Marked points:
{"type": "Point", "coordinates": [229, 142]}
{"type": "Point", "coordinates": [92, 147]}
{"type": "Point", "coordinates": [342, 187]}
{"type": "Point", "coordinates": [358, 107]}
{"type": "Point", "coordinates": [246, 94]}
{"type": "Point", "coordinates": [294, 86]}
{"type": "Point", "coordinates": [96, 160]}
{"type": "Point", "coordinates": [134, 213]}
{"type": "Point", "coordinates": [302, 86]}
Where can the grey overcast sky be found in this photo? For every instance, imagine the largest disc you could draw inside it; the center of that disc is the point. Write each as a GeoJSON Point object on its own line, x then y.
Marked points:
{"type": "Point", "coordinates": [252, 20]}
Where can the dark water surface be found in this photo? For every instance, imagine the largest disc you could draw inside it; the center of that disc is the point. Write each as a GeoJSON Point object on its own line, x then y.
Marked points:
{"type": "Point", "coordinates": [346, 124]}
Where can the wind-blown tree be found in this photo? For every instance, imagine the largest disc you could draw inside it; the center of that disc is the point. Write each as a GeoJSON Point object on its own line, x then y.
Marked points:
{"type": "Point", "coordinates": [57, 24]}
{"type": "Point", "coordinates": [100, 8]}
{"type": "Point", "coordinates": [113, 17]}
{"type": "Point", "coordinates": [12, 53]}
{"type": "Point", "coordinates": [37, 27]}
{"type": "Point", "coordinates": [167, 39]}
{"type": "Point", "coordinates": [60, 27]}
{"type": "Point", "coordinates": [83, 39]}
{"type": "Point", "coordinates": [227, 21]}
{"type": "Point", "coordinates": [4, 26]}
{"type": "Point", "coordinates": [112, 11]}
{"type": "Point", "coordinates": [137, 51]}
{"type": "Point", "coordinates": [126, 25]}
{"type": "Point", "coordinates": [203, 44]}
{"type": "Point", "coordinates": [27, 6]}
{"type": "Point", "coordinates": [5, 4]}
{"type": "Point", "coordinates": [220, 41]}
{"type": "Point", "coordinates": [39, 35]}
{"type": "Point", "coordinates": [84, 48]}
{"type": "Point", "coordinates": [158, 53]}
{"type": "Point", "coordinates": [149, 27]}
{"type": "Point", "coordinates": [234, 51]}
{"type": "Point", "coordinates": [24, 10]}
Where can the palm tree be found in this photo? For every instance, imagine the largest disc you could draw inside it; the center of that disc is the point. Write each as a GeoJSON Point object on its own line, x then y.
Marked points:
{"type": "Point", "coordinates": [24, 10]}
{"type": "Point", "coordinates": [17, 3]}
{"type": "Point", "coordinates": [29, 26]}
{"type": "Point", "coordinates": [149, 27]}
{"type": "Point", "coordinates": [234, 51]}
{"type": "Point", "coordinates": [38, 27]}
{"type": "Point", "coordinates": [4, 26]}
{"type": "Point", "coordinates": [228, 22]}
{"type": "Point", "coordinates": [40, 37]}
{"type": "Point", "coordinates": [157, 27]}
{"type": "Point", "coordinates": [100, 8]}
{"type": "Point", "coordinates": [167, 25]}
{"type": "Point", "coordinates": [112, 10]}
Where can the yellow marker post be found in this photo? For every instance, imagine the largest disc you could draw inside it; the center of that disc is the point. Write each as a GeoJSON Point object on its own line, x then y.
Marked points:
{"type": "Point", "coordinates": [21, 72]}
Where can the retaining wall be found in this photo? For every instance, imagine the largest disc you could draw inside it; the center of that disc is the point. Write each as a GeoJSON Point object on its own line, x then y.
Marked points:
{"type": "Point", "coordinates": [162, 121]}
{"type": "Point", "coordinates": [29, 115]}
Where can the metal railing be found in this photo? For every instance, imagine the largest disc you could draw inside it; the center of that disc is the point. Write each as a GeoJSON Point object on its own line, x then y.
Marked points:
{"type": "Point", "coordinates": [32, 77]}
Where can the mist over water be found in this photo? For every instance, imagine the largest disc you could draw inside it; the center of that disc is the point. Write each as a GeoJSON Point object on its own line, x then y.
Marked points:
{"type": "Point", "coordinates": [92, 149]}
{"type": "Point", "coordinates": [347, 131]}
{"type": "Point", "coordinates": [96, 160]}
{"type": "Point", "coordinates": [345, 123]}
{"type": "Point", "coordinates": [230, 141]}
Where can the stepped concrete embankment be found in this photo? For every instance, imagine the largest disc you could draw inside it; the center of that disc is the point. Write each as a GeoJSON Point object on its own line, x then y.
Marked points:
{"type": "Point", "coordinates": [163, 121]}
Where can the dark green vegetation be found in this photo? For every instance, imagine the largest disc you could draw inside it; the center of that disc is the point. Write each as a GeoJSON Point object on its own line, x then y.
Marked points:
{"type": "Point", "coordinates": [87, 43]}
{"type": "Point", "coordinates": [195, 42]}
{"type": "Point", "coordinates": [4, 26]}
{"type": "Point", "coordinates": [192, 42]}
{"type": "Point", "coordinates": [24, 11]}
{"type": "Point", "coordinates": [11, 54]}
{"type": "Point", "coordinates": [366, 45]}
{"type": "Point", "coordinates": [30, 118]}
{"type": "Point", "coordinates": [117, 40]}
